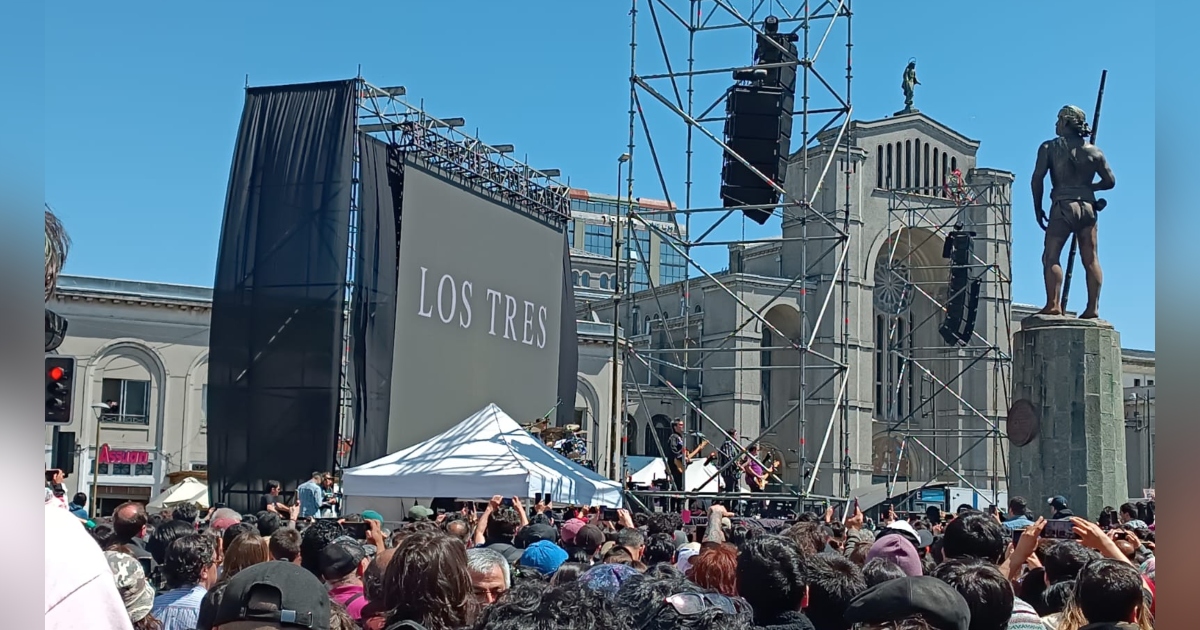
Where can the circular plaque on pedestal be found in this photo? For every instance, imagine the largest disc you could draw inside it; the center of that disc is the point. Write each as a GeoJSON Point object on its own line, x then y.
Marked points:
{"type": "Point", "coordinates": [1023, 422]}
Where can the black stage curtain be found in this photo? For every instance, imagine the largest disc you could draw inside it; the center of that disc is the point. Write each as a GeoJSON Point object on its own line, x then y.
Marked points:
{"type": "Point", "coordinates": [373, 312]}
{"type": "Point", "coordinates": [568, 348]}
{"type": "Point", "coordinates": [276, 334]}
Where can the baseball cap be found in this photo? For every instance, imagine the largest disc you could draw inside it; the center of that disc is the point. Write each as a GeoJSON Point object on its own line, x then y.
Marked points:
{"type": "Point", "coordinates": [941, 606]}
{"type": "Point", "coordinates": [544, 556]}
{"type": "Point", "coordinates": [339, 559]}
{"type": "Point", "coordinates": [536, 532]}
{"type": "Point", "coordinates": [1058, 502]}
{"type": "Point", "coordinates": [570, 528]}
{"type": "Point", "coordinates": [589, 537]}
{"type": "Point", "coordinates": [136, 592]}
{"type": "Point", "coordinates": [418, 512]}
{"type": "Point", "coordinates": [372, 515]}
{"type": "Point", "coordinates": [275, 593]}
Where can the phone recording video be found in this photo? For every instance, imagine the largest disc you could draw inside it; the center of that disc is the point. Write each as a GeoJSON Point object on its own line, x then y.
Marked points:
{"type": "Point", "coordinates": [357, 531]}
{"type": "Point", "coordinates": [608, 514]}
{"type": "Point", "coordinates": [1059, 529]}
{"type": "Point", "coordinates": [506, 502]}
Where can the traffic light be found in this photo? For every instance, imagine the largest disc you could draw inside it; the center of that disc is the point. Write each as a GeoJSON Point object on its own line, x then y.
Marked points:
{"type": "Point", "coordinates": [60, 379]}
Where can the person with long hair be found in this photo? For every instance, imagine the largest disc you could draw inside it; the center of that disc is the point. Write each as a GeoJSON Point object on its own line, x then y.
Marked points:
{"type": "Point", "coordinates": [427, 582]}
{"type": "Point", "coordinates": [245, 550]}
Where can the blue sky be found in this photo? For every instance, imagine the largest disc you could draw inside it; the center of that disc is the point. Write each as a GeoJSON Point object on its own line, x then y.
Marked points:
{"type": "Point", "coordinates": [143, 102]}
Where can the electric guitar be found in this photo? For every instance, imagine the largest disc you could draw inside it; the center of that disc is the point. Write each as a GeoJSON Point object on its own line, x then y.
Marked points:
{"type": "Point", "coordinates": [681, 464]}
{"type": "Point", "coordinates": [761, 482]}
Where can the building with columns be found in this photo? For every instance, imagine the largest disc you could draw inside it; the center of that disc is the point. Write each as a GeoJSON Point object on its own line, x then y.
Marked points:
{"type": "Point", "coordinates": [912, 402]}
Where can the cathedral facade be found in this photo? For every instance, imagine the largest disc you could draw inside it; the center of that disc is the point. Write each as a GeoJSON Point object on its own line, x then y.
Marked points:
{"type": "Point", "coordinates": [831, 344]}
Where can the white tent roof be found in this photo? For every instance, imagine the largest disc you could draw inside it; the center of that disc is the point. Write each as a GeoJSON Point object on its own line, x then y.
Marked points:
{"type": "Point", "coordinates": [190, 490]}
{"type": "Point", "coordinates": [485, 455]}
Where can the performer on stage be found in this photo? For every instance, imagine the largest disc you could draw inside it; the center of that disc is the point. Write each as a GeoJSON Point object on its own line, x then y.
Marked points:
{"type": "Point", "coordinates": [727, 458]}
{"type": "Point", "coordinates": [756, 476]}
{"type": "Point", "coordinates": [677, 455]}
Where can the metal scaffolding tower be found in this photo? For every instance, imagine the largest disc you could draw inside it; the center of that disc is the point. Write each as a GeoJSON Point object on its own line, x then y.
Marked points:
{"type": "Point", "coordinates": [695, 46]}
{"type": "Point", "coordinates": [942, 397]}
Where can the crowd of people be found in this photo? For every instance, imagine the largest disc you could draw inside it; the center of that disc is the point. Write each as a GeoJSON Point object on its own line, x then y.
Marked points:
{"type": "Point", "coordinates": [545, 567]}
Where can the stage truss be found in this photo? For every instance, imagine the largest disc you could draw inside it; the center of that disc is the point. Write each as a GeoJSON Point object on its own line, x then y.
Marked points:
{"type": "Point", "coordinates": [917, 217]}
{"type": "Point", "coordinates": [683, 85]}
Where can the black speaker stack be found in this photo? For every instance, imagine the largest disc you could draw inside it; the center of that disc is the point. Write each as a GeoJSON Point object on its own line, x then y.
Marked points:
{"type": "Point", "coordinates": [758, 123]}
{"type": "Point", "coordinates": [963, 306]}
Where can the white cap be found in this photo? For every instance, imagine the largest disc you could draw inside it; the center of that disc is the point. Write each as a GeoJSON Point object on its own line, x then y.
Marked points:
{"type": "Point", "coordinates": [904, 527]}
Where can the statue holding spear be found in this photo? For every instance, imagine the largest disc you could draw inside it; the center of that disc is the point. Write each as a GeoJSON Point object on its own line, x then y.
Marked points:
{"type": "Point", "coordinates": [1074, 165]}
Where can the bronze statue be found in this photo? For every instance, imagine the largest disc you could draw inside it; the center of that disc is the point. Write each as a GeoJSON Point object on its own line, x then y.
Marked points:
{"type": "Point", "coordinates": [908, 85]}
{"type": "Point", "coordinates": [1073, 164]}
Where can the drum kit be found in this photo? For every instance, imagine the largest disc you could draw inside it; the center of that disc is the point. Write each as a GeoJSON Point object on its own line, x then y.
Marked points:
{"type": "Point", "coordinates": [569, 440]}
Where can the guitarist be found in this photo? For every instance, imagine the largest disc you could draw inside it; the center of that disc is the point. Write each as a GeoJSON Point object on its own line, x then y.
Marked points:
{"type": "Point", "coordinates": [677, 455]}
{"type": "Point", "coordinates": [756, 476]}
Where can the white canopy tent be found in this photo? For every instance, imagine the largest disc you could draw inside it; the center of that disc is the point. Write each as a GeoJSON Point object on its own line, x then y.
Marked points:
{"type": "Point", "coordinates": [485, 455]}
{"type": "Point", "coordinates": [190, 490]}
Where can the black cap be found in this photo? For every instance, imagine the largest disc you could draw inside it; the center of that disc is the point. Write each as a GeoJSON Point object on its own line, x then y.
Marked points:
{"type": "Point", "coordinates": [535, 532]}
{"type": "Point", "coordinates": [941, 606]}
{"type": "Point", "coordinates": [337, 560]}
{"type": "Point", "coordinates": [275, 593]}
{"type": "Point", "coordinates": [1058, 502]}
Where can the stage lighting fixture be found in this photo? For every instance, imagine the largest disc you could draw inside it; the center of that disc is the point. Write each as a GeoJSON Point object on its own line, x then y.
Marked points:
{"type": "Point", "coordinates": [749, 74]}
{"type": "Point", "coordinates": [501, 148]}
{"type": "Point", "coordinates": [394, 91]}
{"type": "Point", "coordinates": [547, 172]}
{"type": "Point", "coordinates": [449, 122]}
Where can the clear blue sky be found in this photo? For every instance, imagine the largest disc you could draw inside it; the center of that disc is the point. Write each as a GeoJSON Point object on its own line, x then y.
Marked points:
{"type": "Point", "coordinates": [143, 102]}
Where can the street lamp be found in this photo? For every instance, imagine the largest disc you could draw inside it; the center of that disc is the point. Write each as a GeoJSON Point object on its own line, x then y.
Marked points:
{"type": "Point", "coordinates": [100, 409]}
{"type": "Point", "coordinates": [614, 470]}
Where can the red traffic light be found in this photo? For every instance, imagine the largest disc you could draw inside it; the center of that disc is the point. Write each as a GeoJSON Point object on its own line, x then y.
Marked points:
{"type": "Point", "coordinates": [56, 373]}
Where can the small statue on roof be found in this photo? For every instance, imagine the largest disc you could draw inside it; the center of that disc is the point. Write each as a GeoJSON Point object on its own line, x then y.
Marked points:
{"type": "Point", "coordinates": [908, 84]}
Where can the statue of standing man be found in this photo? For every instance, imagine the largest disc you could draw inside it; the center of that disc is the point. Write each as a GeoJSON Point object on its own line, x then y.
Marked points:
{"type": "Point", "coordinates": [1073, 164]}
{"type": "Point", "coordinates": [908, 84]}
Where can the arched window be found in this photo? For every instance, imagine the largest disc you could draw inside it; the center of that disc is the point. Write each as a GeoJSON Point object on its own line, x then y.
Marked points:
{"type": "Point", "coordinates": [889, 165]}
{"type": "Point", "coordinates": [585, 279]}
{"type": "Point", "coordinates": [925, 169]}
{"type": "Point", "coordinates": [953, 164]}
{"type": "Point", "coordinates": [937, 187]}
{"type": "Point", "coordinates": [908, 164]}
{"type": "Point", "coordinates": [575, 278]}
{"type": "Point", "coordinates": [699, 308]}
{"type": "Point", "coordinates": [603, 281]}
{"type": "Point", "coordinates": [659, 427]}
{"type": "Point", "coordinates": [879, 166]}
{"type": "Point", "coordinates": [916, 166]}
{"type": "Point", "coordinates": [945, 173]}
{"type": "Point", "coordinates": [647, 328]}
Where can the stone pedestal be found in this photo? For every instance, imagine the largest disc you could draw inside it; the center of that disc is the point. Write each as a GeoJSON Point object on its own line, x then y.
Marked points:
{"type": "Point", "coordinates": [1070, 370]}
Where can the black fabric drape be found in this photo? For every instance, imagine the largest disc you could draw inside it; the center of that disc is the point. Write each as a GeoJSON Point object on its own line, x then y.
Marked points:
{"type": "Point", "coordinates": [568, 349]}
{"type": "Point", "coordinates": [277, 316]}
{"type": "Point", "coordinates": [373, 313]}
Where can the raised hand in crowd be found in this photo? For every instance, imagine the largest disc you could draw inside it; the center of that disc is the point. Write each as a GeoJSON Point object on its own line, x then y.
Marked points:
{"type": "Point", "coordinates": [855, 521]}
{"type": "Point", "coordinates": [1090, 535]}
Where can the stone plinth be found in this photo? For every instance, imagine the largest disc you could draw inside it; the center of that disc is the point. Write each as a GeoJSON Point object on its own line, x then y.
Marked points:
{"type": "Point", "coordinates": [1070, 370]}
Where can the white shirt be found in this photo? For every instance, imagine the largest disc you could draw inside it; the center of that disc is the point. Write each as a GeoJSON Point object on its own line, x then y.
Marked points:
{"type": "Point", "coordinates": [80, 589]}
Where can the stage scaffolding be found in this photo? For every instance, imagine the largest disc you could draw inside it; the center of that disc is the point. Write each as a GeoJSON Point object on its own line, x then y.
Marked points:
{"type": "Point", "coordinates": [928, 370]}
{"type": "Point", "coordinates": [386, 114]}
{"type": "Point", "coordinates": [689, 79]}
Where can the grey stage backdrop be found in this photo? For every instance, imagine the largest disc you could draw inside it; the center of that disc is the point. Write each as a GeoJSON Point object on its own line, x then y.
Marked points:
{"type": "Point", "coordinates": [487, 292]}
